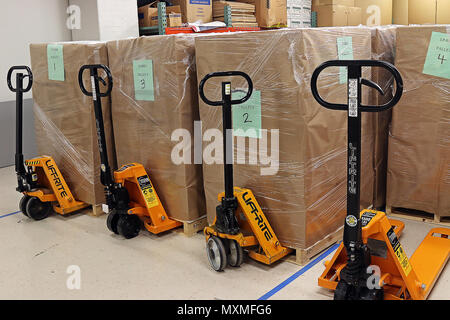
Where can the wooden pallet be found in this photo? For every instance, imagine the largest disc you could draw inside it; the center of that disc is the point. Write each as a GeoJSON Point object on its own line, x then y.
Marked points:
{"type": "Point", "coordinates": [95, 210]}
{"type": "Point", "coordinates": [417, 215]}
{"type": "Point", "coordinates": [304, 256]}
{"type": "Point", "coordinates": [191, 228]}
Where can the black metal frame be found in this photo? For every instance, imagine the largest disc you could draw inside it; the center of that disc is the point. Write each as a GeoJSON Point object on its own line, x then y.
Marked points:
{"type": "Point", "coordinates": [24, 178]}
{"type": "Point", "coordinates": [358, 254]}
{"type": "Point", "coordinates": [226, 220]}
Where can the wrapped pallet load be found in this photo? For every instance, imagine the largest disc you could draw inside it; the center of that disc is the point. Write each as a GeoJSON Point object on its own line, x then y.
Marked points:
{"type": "Point", "coordinates": [64, 116]}
{"type": "Point", "coordinates": [419, 144]}
{"type": "Point", "coordinates": [289, 151]}
{"type": "Point", "coordinates": [154, 106]}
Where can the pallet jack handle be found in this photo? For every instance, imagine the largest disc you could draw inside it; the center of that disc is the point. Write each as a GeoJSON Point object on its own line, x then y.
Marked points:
{"type": "Point", "coordinates": [226, 104]}
{"type": "Point", "coordinates": [105, 172]}
{"type": "Point", "coordinates": [354, 108]}
{"type": "Point", "coordinates": [19, 90]}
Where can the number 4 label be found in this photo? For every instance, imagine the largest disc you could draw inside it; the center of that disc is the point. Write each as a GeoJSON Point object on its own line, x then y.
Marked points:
{"type": "Point", "coordinates": [437, 62]}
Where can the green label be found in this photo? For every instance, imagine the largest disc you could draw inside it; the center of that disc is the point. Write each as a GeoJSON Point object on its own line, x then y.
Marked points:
{"type": "Point", "coordinates": [437, 62]}
{"type": "Point", "coordinates": [247, 116]}
{"type": "Point", "coordinates": [345, 52]}
{"type": "Point", "coordinates": [143, 80]}
{"type": "Point", "coordinates": [55, 61]}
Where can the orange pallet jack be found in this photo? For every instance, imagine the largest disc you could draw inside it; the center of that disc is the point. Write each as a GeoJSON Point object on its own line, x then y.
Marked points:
{"type": "Point", "coordinates": [131, 197]}
{"type": "Point", "coordinates": [239, 222]}
{"type": "Point", "coordinates": [39, 179]}
{"type": "Point", "coordinates": [370, 263]}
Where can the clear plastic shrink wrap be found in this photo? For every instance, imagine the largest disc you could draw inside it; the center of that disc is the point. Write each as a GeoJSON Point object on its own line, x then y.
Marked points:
{"type": "Point", "coordinates": [154, 102]}
{"type": "Point", "coordinates": [64, 116]}
{"type": "Point", "coordinates": [419, 139]}
{"type": "Point", "coordinates": [304, 198]}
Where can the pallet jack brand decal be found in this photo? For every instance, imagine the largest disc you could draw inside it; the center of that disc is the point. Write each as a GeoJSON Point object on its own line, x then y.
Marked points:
{"type": "Point", "coordinates": [352, 221]}
{"type": "Point", "coordinates": [56, 180]}
{"type": "Point", "coordinates": [352, 169]}
{"type": "Point", "coordinates": [30, 163]}
{"type": "Point", "coordinates": [399, 252]}
{"type": "Point", "coordinates": [259, 219]}
{"type": "Point", "coordinates": [147, 191]}
{"type": "Point", "coordinates": [366, 218]}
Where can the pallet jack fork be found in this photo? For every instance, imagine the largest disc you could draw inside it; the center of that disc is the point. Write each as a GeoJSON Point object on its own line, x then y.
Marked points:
{"type": "Point", "coordinates": [239, 222]}
{"type": "Point", "coordinates": [130, 195]}
{"type": "Point", "coordinates": [39, 179]}
{"type": "Point", "coordinates": [370, 263]}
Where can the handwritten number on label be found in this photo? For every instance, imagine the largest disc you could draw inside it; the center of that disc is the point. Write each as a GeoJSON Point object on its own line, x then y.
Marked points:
{"type": "Point", "coordinates": [245, 116]}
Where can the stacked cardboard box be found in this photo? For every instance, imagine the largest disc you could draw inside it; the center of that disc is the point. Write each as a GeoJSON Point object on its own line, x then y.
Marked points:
{"type": "Point", "coordinates": [419, 145]}
{"type": "Point", "coordinates": [148, 15]}
{"type": "Point", "coordinates": [302, 191]}
{"type": "Point", "coordinates": [375, 12]}
{"type": "Point", "coordinates": [336, 13]}
{"type": "Point", "coordinates": [421, 12]}
{"type": "Point", "coordinates": [270, 13]}
{"type": "Point", "coordinates": [154, 108]}
{"type": "Point", "coordinates": [242, 14]}
{"type": "Point", "coordinates": [195, 10]}
{"type": "Point", "coordinates": [299, 13]}
{"type": "Point", "coordinates": [64, 116]}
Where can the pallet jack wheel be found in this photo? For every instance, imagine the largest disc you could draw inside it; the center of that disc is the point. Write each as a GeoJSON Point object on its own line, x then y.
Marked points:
{"type": "Point", "coordinates": [36, 209]}
{"type": "Point", "coordinates": [128, 226]}
{"type": "Point", "coordinates": [23, 204]}
{"type": "Point", "coordinates": [217, 256]}
{"type": "Point", "coordinates": [342, 291]}
{"type": "Point", "coordinates": [111, 222]}
{"type": "Point", "coordinates": [236, 256]}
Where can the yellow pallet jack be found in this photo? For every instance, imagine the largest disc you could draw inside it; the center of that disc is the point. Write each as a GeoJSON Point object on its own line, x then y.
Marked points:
{"type": "Point", "coordinates": [370, 263]}
{"type": "Point", "coordinates": [39, 179]}
{"type": "Point", "coordinates": [130, 196]}
{"type": "Point", "coordinates": [239, 222]}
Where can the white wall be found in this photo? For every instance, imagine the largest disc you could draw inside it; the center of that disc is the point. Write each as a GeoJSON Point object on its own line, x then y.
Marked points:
{"type": "Point", "coordinates": [89, 28]}
{"type": "Point", "coordinates": [24, 22]}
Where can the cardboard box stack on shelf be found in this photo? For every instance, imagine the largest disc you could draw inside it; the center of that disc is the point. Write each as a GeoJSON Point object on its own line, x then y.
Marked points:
{"type": "Point", "coordinates": [64, 116]}
{"type": "Point", "coordinates": [336, 13]}
{"type": "Point", "coordinates": [195, 10]}
{"type": "Point", "coordinates": [242, 14]}
{"type": "Point", "coordinates": [154, 106]}
{"type": "Point", "coordinates": [300, 180]}
{"type": "Point", "coordinates": [148, 15]}
{"type": "Point", "coordinates": [375, 12]}
{"type": "Point", "coordinates": [270, 13]}
{"type": "Point", "coordinates": [419, 148]}
{"type": "Point", "coordinates": [299, 13]}
{"type": "Point", "coordinates": [421, 12]}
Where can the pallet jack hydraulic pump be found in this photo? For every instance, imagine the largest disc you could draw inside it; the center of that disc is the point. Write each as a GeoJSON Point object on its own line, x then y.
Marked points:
{"type": "Point", "coordinates": [39, 179]}
{"type": "Point", "coordinates": [370, 263]}
{"type": "Point", "coordinates": [130, 195]}
{"type": "Point", "coordinates": [239, 222]}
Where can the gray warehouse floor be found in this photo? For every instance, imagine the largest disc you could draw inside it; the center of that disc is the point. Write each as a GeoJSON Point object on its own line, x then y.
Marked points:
{"type": "Point", "coordinates": [41, 258]}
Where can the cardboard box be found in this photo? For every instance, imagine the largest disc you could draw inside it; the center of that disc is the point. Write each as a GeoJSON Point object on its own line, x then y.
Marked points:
{"type": "Point", "coordinates": [148, 16]}
{"type": "Point", "coordinates": [270, 13]}
{"type": "Point", "coordinates": [304, 200]}
{"type": "Point", "coordinates": [419, 149]}
{"type": "Point", "coordinates": [337, 16]}
{"type": "Point", "coordinates": [145, 120]}
{"type": "Point", "coordinates": [64, 116]}
{"type": "Point", "coordinates": [299, 13]}
{"type": "Point", "coordinates": [375, 12]}
{"type": "Point", "coordinates": [195, 10]}
{"type": "Point", "coordinates": [347, 3]}
{"type": "Point", "coordinates": [421, 12]}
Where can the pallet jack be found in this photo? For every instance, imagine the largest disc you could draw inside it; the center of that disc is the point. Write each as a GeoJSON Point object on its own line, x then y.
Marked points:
{"type": "Point", "coordinates": [41, 182]}
{"type": "Point", "coordinates": [370, 239]}
{"type": "Point", "coordinates": [130, 195]}
{"type": "Point", "coordinates": [239, 222]}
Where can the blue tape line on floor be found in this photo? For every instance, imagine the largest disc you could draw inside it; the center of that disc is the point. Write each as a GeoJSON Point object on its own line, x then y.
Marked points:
{"type": "Point", "coordinates": [299, 272]}
{"type": "Point", "coordinates": [9, 214]}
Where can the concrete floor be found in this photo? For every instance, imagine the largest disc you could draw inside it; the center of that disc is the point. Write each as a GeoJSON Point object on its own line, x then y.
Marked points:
{"type": "Point", "coordinates": [36, 255]}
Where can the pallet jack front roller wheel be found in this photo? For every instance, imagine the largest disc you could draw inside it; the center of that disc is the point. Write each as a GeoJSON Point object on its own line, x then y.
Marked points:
{"type": "Point", "coordinates": [236, 254]}
{"type": "Point", "coordinates": [23, 204]}
{"type": "Point", "coordinates": [342, 291]}
{"type": "Point", "coordinates": [217, 256]}
{"type": "Point", "coordinates": [111, 222]}
{"type": "Point", "coordinates": [38, 210]}
{"type": "Point", "coordinates": [128, 226]}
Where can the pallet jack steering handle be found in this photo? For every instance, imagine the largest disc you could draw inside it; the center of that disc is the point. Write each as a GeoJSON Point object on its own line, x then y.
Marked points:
{"type": "Point", "coordinates": [94, 73]}
{"type": "Point", "coordinates": [226, 74]}
{"type": "Point", "coordinates": [360, 64]}
{"type": "Point", "coordinates": [29, 75]}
